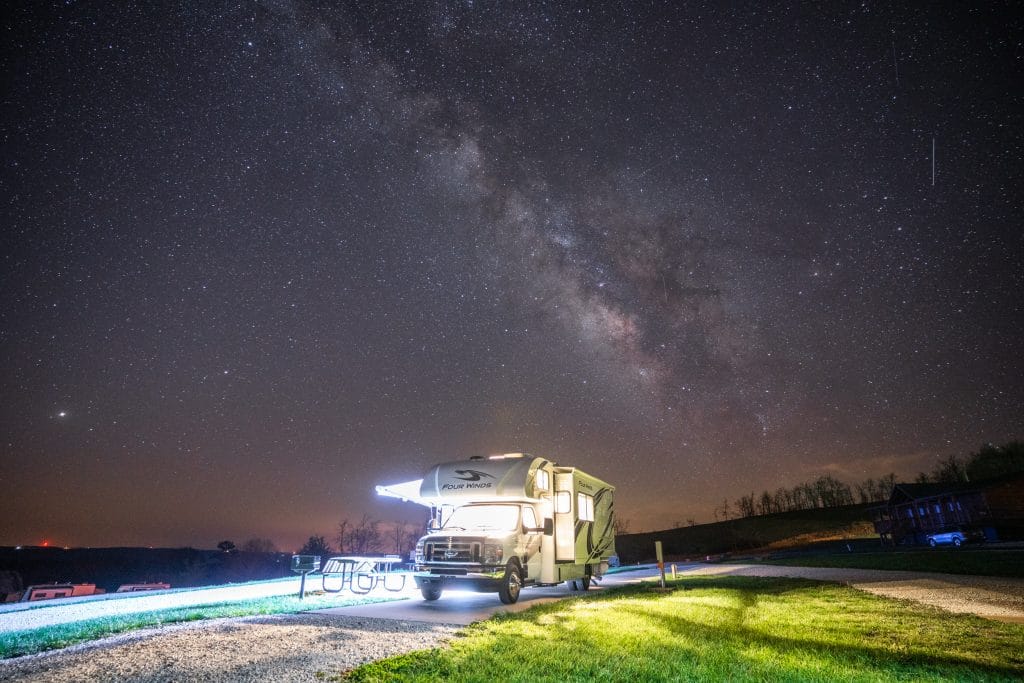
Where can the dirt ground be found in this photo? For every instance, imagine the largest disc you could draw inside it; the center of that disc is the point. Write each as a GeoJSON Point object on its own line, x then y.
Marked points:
{"type": "Point", "coordinates": [305, 647]}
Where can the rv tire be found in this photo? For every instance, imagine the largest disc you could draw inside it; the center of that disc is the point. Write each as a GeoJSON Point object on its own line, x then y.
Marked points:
{"type": "Point", "coordinates": [430, 593]}
{"type": "Point", "coordinates": [511, 584]}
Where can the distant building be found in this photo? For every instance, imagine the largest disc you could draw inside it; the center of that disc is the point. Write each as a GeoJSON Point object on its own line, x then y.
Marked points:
{"type": "Point", "coordinates": [136, 587]}
{"type": "Point", "coordinates": [994, 508]}
{"type": "Point", "coordinates": [59, 590]}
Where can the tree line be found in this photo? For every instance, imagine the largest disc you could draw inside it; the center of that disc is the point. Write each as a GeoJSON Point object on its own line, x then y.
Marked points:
{"type": "Point", "coordinates": [988, 462]}
{"type": "Point", "coordinates": [366, 536]}
{"type": "Point", "coordinates": [827, 491]}
{"type": "Point", "coordinates": [824, 492]}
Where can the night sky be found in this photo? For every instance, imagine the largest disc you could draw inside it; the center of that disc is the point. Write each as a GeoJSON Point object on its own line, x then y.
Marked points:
{"type": "Point", "coordinates": [259, 257]}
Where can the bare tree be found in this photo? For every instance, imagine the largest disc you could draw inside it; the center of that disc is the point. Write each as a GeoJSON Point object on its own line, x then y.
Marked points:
{"type": "Point", "coordinates": [745, 505]}
{"type": "Point", "coordinates": [620, 525]}
{"type": "Point", "coordinates": [363, 537]}
{"type": "Point", "coordinates": [829, 492]}
{"type": "Point", "coordinates": [404, 535]}
{"type": "Point", "coordinates": [783, 500]}
{"type": "Point", "coordinates": [885, 486]}
{"type": "Point", "coordinates": [810, 496]}
{"type": "Point", "coordinates": [865, 490]}
{"type": "Point", "coordinates": [342, 536]}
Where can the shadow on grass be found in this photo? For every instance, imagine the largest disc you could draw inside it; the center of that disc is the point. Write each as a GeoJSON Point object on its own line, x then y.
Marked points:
{"type": "Point", "coordinates": [749, 593]}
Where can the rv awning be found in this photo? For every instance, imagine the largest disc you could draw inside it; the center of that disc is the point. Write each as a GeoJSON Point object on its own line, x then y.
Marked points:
{"type": "Point", "coordinates": [406, 491]}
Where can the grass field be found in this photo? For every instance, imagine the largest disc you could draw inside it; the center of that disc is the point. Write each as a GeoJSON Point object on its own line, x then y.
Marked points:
{"type": "Point", "coordinates": [958, 561]}
{"type": "Point", "coordinates": [725, 628]}
{"type": "Point", "coordinates": [17, 643]}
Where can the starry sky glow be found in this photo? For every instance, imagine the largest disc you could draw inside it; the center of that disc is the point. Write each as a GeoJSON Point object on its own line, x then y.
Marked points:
{"type": "Point", "coordinates": [260, 256]}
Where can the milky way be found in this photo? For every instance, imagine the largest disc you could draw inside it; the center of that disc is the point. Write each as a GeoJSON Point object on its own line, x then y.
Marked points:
{"type": "Point", "coordinates": [258, 257]}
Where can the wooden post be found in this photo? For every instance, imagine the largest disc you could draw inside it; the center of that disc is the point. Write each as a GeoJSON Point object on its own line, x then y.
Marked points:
{"type": "Point", "coordinates": [661, 561]}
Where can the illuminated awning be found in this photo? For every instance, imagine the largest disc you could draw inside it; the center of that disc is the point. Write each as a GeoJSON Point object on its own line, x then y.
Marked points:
{"type": "Point", "coordinates": [406, 491]}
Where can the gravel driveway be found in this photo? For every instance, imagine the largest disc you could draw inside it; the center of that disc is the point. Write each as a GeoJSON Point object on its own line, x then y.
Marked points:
{"type": "Point", "coordinates": [302, 647]}
{"type": "Point", "coordinates": [291, 647]}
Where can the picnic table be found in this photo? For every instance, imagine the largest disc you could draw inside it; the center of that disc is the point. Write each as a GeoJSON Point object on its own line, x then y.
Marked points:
{"type": "Point", "coordinates": [362, 574]}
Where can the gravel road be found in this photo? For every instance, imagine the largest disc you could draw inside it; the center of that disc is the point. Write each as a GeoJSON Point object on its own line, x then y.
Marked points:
{"type": "Point", "coordinates": [294, 647]}
{"type": "Point", "coordinates": [303, 647]}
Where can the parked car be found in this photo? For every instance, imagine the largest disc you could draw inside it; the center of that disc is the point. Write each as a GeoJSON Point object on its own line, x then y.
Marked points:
{"type": "Point", "coordinates": [955, 538]}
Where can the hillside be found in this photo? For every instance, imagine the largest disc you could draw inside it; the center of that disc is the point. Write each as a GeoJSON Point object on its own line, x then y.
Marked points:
{"type": "Point", "coordinates": [110, 567]}
{"type": "Point", "coordinates": [775, 531]}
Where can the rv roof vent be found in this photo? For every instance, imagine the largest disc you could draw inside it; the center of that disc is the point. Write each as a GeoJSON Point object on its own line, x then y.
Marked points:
{"type": "Point", "coordinates": [476, 457]}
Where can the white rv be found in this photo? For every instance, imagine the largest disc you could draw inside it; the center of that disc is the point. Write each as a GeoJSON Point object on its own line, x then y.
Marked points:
{"type": "Point", "coordinates": [508, 521]}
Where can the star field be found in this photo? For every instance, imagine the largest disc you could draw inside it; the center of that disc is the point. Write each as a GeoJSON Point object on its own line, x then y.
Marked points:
{"type": "Point", "coordinates": [258, 257]}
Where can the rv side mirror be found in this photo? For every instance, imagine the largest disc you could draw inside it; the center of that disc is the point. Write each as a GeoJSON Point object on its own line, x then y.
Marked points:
{"type": "Point", "coordinates": [549, 526]}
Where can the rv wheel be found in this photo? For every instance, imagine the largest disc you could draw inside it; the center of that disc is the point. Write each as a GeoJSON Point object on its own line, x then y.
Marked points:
{"type": "Point", "coordinates": [510, 585]}
{"type": "Point", "coordinates": [430, 593]}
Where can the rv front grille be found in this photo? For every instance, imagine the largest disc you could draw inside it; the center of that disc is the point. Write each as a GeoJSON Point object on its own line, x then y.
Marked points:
{"type": "Point", "coordinates": [451, 551]}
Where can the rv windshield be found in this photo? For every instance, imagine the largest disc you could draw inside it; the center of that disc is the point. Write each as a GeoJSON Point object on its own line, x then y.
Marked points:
{"type": "Point", "coordinates": [484, 517]}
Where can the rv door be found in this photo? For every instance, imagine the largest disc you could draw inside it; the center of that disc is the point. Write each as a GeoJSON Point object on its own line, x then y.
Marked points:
{"type": "Point", "coordinates": [565, 520]}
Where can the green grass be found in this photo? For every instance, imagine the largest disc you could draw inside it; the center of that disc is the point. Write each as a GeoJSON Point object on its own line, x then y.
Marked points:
{"type": "Point", "coordinates": [958, 561]}
{"type": "Point", "coordinates": [723, 628]}
{"type": "Point", "coordinates": [17, 643]}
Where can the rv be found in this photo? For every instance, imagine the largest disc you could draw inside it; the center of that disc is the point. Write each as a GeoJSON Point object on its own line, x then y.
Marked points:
{"type": "Point", "coordinates": [509, 521]}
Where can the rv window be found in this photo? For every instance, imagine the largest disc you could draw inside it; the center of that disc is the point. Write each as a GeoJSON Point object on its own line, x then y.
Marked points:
{"type": "Point", "coordinates": [563, 502]}
{"type": "Point", "coordinates": [529, 518]}
{"type": "Point", "coordinates": [585, 505]}
{"type": "Point", "coordinates": [542, 480]}
{"type": "Point", "coordinates": [484, 518]}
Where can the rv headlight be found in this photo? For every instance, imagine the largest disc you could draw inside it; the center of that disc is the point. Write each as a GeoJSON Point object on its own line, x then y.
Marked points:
{"type": "Point", "coordinates": [491, 554]}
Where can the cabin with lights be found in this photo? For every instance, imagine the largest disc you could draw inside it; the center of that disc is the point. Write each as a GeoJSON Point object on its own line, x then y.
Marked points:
{"type": "Point", "coordinates": [992, 510]}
